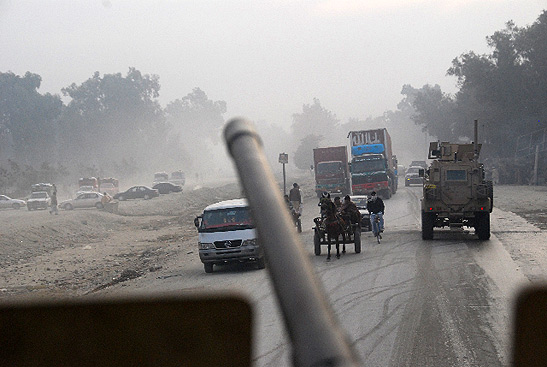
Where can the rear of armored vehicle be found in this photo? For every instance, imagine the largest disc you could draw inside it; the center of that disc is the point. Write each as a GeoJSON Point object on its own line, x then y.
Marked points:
{"type": "Point", "coordinates": [455, 194]}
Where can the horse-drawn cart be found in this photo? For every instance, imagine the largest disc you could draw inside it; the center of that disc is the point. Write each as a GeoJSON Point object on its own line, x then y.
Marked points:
{"type": "Point", "coordinates": [350, 233]}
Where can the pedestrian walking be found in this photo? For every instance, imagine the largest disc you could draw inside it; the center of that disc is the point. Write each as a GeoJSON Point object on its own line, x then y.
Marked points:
{"type": "Point", "coordinates": [53, 204]}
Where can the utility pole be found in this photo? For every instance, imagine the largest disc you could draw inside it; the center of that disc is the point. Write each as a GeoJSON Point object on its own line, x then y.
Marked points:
{"type": "Point", "coordinates": [536, 162]}
{"type": "Point", "coordinates": [284, 159]}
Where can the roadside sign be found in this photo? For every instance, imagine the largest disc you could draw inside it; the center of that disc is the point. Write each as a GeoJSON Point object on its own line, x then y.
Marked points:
{"type": "Point", "coordinates": [283, 158]}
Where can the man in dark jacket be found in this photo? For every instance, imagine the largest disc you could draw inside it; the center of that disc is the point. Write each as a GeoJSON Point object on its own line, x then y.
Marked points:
{"type": "Point", "coordinates": [53, 204]}
{"type": "Point", "coordinates": [376, 208]}
{"type": "Point", "coordinates": [350, 210]}
{"type": "Point", "coordinates": [295, 197]}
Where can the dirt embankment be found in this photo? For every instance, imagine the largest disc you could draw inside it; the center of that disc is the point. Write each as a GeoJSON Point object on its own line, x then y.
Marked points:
{"type": "Point", "coordinates": [529, 202]}
{"type": "Point", "coordinates": [80, 251]}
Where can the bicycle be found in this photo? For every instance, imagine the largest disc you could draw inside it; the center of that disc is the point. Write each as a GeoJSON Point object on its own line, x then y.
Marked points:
{"type": "Point", "coordinates": [376, 226]}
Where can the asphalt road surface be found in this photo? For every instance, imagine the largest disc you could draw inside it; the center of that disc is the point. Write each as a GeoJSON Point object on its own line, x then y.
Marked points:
{"type": "Point", "coordinates": [404, 302]}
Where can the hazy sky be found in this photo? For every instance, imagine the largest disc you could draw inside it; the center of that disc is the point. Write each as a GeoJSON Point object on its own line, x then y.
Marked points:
{"type": "Point", "coordinates": [264, 58]}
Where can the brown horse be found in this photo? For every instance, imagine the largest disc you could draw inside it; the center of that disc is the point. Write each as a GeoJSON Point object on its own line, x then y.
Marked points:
{"type": "Point", "coordinates": [334, 226]}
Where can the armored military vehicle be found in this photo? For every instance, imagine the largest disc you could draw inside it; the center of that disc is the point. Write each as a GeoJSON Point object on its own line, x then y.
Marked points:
{"type": "Point", "coordinates": [455, 192]}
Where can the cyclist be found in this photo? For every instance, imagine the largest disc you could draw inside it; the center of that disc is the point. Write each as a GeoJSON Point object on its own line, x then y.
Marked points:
{"type": "Point", "coordinates": [288, 202]}
{"type": "Point", "coordinates": [376, 208]}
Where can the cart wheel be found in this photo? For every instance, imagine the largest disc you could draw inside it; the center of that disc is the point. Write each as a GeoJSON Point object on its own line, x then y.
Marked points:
{"type": "Point", "coordinates": [357, 239]}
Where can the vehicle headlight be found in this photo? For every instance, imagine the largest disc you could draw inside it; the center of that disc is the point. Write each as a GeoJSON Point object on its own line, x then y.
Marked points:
{"type": "Point", "coordinates": [251, 242]}
{"type": "Point", "coordinates": [205, 246]}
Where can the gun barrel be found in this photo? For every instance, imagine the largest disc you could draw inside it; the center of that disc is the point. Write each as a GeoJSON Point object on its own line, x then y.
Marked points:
{"type": "Point", "coordinates": [316, 337]}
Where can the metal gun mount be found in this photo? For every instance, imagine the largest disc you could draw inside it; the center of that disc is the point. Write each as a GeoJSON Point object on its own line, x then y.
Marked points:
{"type": "Point", "coordinates": [316, 337]}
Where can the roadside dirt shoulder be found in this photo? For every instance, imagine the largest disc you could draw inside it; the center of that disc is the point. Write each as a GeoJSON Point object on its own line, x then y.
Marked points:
{"type": "Point", "coordinates": [82, 251]}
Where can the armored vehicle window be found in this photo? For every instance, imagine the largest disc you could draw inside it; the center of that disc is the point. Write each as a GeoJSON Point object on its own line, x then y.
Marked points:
{"type": "Point", "coordinates": [456, 175]}
{"type": "Point", "coordinates": [435, 175]}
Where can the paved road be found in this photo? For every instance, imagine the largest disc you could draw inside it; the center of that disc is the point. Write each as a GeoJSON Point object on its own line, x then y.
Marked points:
{"type": "Point", "coordinates": [404, 302]}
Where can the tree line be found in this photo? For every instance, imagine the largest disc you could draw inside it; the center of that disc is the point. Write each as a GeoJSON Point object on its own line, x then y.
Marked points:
{"type": "Point", "coordinates": [114, 125]}
{"type": "Point", "coordinates": [506, 90]}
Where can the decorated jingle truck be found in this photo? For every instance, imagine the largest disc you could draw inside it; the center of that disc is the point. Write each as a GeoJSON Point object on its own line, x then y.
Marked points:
{"type": "Point", "coordinates": [373, 165]}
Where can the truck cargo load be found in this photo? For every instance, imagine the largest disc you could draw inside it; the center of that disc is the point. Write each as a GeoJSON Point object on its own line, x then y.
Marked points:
{"type": "Point", "coordinates": [89, 181]}
{"type": "Point", "coordinates": [373, 165]}
{"type": "Point", "coordinates": [331, 170]}
{"type": "Point", "coordinates": [109, 185]}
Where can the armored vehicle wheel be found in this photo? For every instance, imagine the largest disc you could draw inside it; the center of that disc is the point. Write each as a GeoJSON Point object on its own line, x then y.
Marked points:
{"type": "Point", "coordinates": [99, 205]}
{"type": "Point", "coordinates": [482, 225]}
{"type": "Point", "coordinates": [428, 221]}
{"type": "Point", "coordinates": [317, 244]}
{"type": "Point", "coordinates": [386, 194]}
{"type": "Point", "coordinates": [357, 240]}
{"type": "Point", "coordinates": [490, 188]}
{"type": "Point", "coordinates": [67, 207]}
{"type": "Point", "coordinates": [15, 206]}
{"type": "Point", "coordinates": [208, 267]}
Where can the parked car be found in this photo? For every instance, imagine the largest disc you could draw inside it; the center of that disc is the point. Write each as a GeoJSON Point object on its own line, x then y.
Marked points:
{"type": "Point", "coordinates": [7, 202]}
{"type": "Point", "coordinates": [137, 192]}
{"type": "Point", "coordinates": [361, 203]}
{"type": "Point", "coordinates": [412, 176]}
{"type": "Point", "coordinates": [38, 200]}
{"type": "Point", "coordinates": [421, 164]}
{"type": "Point", "coordinates": [47, 187]}
{"type": "Point", "coordinates": [83, 189]}
{"type": "Point", "coordinates": [167, 187]}
{"type": "Point", "coordinates": [85, 200]}
{"type": "Point", "coordinates": [178, 178]}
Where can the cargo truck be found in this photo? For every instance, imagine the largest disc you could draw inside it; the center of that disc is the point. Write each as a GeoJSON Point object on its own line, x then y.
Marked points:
{"type": "Point", "coordinates": [332, 170]}
{"type": "Point", "coordinates": [90, 183]}
{"type": "Point", "coordinates": [109, 185]}
{"type": "Point", "coordinates": [373, 165]}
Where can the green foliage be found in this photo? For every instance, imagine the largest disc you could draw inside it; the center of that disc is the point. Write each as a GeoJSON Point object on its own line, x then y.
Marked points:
{"type": "Point", "coordinates": [16, 179]}
{"type": "Point", "coordinates": [314, 119]}
{"type": "Point", "coordinates": [303, 157]}
{"type": "Point", "coordinates": [505, 90]}
{"type": "Point", "coordinates": [308, 129]}
{"type": "Point", "coordinates": [195, 118]}
{"type": "Point", "coordinates": [112, 125]}
{"type": "Point", "coordinates": [113, 117]}
{"type": "Point", "coordinates": [29, 117]}
{"type": "Point", "coordinates": [193, 110]}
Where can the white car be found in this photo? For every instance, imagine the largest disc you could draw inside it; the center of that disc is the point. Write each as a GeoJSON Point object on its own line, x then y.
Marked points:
{"type": "Point", "coordinates": [361, 203]}
{"type": "Point", "coordinates": [83, 189]}
{"type": "Point", "coordinates": [7, 202]}
{"type": "Point", "coordinates": [85, 200]}
{"type": "Point", "coordinates": [38, 200]}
